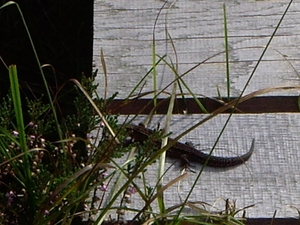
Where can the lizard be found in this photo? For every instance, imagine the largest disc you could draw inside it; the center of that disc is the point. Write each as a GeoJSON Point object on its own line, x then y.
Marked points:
{"type": "Point", "coordinates": [187, 152]}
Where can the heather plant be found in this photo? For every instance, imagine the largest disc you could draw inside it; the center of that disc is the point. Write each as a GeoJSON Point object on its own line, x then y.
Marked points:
{"type": "Point", "coordinates": [53, 173]}
{"type": "Point", "coordinates": [62, 169]}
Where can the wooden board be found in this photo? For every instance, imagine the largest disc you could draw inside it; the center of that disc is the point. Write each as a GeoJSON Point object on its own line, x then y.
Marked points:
{"type": "Point", "coordinates": [124, 31]}
{"type": "Point", "coordinates": [269, 180]}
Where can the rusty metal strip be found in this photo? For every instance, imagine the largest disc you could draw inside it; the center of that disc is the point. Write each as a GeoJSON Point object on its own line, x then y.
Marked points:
{"type": "Point", "coordinates": [274, 104]}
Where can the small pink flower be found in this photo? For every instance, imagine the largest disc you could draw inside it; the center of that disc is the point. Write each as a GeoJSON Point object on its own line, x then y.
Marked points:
{"type": "Point", "coordinates": [10, 197]}
{"type": "Point", "coordinates": [88, 136]}
{"type": "Point", "coordinates": [103, 187]}
{"type": "Point", "coordinates": [46, 213]}
{"type": "Point", "coordinates": [103, 175]}
{"type": "Point", "coordinates": [32, 136]}
{"type": "Point", "coordinates": [131, 190]}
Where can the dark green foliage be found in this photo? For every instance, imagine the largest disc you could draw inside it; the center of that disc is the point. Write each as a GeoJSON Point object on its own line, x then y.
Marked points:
{"type": "Point", "coordinates": [52, 161]}
{"type": "Point", "coordinates": [6, 111]}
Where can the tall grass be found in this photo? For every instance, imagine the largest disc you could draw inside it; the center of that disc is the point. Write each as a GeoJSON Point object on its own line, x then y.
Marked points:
{"type": "Point", "coordinates": [69, 180]}
{"type": "Point", "coordinates": [11, 3]}
{"type": "Point", "coordinates": [231, 105]}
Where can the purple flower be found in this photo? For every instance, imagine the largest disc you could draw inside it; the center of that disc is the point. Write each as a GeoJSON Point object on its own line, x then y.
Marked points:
{"type": "Point", "coordinates": [131, 190]}
{"type": "Point", "coordinates": [103, 187]}
{"type": "Point", "coordinates": [46, 212]}
{"type": "Point", "coordinates": [103, 175]}
{"type": "Point", "coordinates": [32, 137]}
{"type": "Point", "coordinates": [10, 197]}
{"type": "Point", "coordinates": [89, 136]}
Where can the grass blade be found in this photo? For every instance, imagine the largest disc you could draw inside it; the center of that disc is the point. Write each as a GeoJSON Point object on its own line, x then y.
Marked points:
{"type": "Point", "coordinates": [28, 182]}
{"type": "Point", "coordinates": [226, 52]}
{"type": "Point", "coordinates": [39, 65]}
{"type": "Point", "coordinates": [15, 92]}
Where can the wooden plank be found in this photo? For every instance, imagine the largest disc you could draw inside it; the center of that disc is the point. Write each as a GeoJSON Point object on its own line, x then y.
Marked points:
{"type": "Point", "coordinates": [249, 221]}
{"type": "Point", "coordinates": [275, 221]}
{"type": "Point", "coordinates": [125, 33]}
{"type": "Point", "coordinates": [269, 180]}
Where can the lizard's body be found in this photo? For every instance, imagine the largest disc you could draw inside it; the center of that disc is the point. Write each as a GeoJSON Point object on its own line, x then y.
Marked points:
{"type": "Point", "coordinates": [180, 150]}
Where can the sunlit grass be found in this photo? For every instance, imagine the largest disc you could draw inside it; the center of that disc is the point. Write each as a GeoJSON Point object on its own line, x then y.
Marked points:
{"type": "Point", "coordinates": [80, 176]}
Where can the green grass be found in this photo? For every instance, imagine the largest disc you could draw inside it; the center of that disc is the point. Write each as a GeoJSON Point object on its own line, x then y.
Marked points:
{"type": "Point", "coordinates": [77, 176]}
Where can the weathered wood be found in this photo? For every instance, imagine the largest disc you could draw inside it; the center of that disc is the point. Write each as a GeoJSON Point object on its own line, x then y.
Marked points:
{"type": "Point", "coordinates": [125, 33]}
{"type": "Point", "coordinates": [269, 180]}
